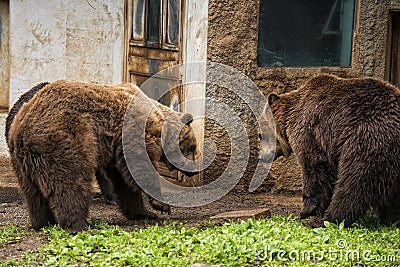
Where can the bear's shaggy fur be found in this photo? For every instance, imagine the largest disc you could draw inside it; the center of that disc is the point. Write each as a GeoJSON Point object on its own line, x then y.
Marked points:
{"type": "Point", "coordinates": [69, 131]}
{"type": "Point", "coordinates": [345, 134]}
{"type": "Point", "coordinates": [101, 180]}
{"type": "Point", "coordinates": [17, 106]}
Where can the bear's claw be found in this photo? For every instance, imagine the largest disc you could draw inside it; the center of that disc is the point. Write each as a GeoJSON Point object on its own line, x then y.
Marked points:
{"type": "Point", "coordinates": [160, 206]}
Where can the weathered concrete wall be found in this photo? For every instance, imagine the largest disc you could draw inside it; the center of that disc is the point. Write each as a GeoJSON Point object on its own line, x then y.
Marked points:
{"type": "Point", "coordinates": [232, 40]}
{"type": "Point", "coordinates": [4, 53]}
{"type": "Point", "coordinates": [94, 40]}
{"type": "Point", "coordinates": [3, 145]}
{"type": "Point", "coordinates": [194, 49]}
{"type": "Point", "coordinates": [371, 36]}
{"type": "Point", "coordinates": [65, 40]}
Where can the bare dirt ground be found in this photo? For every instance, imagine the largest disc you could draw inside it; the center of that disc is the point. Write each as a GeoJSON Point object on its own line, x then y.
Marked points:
{"type": "Point", "coordinates": [13, 210]}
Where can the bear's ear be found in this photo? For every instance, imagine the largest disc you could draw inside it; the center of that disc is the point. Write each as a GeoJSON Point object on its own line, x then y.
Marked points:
{"type": "Point", "coordinates": [272, 97]}
{"type": "Point", "coordinates": [187, 118]}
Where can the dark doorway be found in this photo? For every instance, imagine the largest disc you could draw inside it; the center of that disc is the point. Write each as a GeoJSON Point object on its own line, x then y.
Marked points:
{"type": "Point", "coordinates": [393, 51]}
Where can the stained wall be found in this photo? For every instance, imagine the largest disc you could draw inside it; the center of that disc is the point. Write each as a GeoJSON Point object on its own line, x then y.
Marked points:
{"type": "Point", "coordinates": [4, 55]}
{"type": "Point", "coordinates": [63, 39]}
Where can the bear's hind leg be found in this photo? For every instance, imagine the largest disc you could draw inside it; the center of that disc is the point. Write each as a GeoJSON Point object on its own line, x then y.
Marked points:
{"type": "Point", "coordinates": [70, 203]}
{"type": "Point", "coordinates": [40, 214]}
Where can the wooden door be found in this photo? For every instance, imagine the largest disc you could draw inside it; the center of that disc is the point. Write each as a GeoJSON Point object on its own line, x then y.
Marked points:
{"type": "Point", "coordinates": [153, 36]}
{"type": "Point", "coordinates": [393, 50]}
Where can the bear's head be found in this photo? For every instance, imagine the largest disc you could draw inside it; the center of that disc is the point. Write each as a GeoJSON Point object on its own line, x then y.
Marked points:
{"type": "Point", "coordinates": [179, 143]}
{"type": "Point", "coordinates": [282, 148]}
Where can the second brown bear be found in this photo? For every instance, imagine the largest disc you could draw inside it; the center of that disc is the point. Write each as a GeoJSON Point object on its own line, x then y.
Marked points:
{"type": "Point", "coordinates": [345, 134]}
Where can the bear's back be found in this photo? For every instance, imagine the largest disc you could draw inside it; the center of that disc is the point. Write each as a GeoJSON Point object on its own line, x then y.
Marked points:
{"type": "Point", "coordinates": [349, 88]}
{"type": "Point", "coordinates": [336, 110]}
{"type": "Point", "coordinates": [107, 101]}
{"type": "Point", "coordinates": [351, 97]}
{"type": "Point", "coordinates": [82, 97]}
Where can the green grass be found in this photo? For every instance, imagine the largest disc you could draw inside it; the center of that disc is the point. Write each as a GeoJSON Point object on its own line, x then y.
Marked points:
{"type": "Point", "coordinates": [280, 241]}
{"type": "Point", "coordinates": [11, 233]}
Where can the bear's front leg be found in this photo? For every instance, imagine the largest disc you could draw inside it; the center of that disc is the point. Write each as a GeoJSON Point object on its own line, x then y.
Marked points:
{"type": "Point", "coordinates": [129, 197]}
{"type": "Point", "coordinates": [132, 205]}
{"type": "Point", "coordinates": [105, 187]}
{"type": "Point", "coordinates": [318, 183]}
{"type": "Point", "coordinates": [389, 214]}
{"type": "Point", "coordinates": [348, 202]}
{"type": "Point", "coordinates": [315, 222]}
{"type": "Point", "coordinates": [160, 206]}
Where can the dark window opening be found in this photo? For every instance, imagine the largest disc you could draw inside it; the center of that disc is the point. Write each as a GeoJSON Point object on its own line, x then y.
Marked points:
{"type": "Point", "coordinates": [156, 23]}
{"type": "Point", "coordinates": [305, 33]}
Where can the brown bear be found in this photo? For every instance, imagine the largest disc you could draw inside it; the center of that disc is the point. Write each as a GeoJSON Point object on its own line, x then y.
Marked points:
{"type": "Point", "coordinates": [345, 134]}
{"type": "Point", "coordinates": [103, 183]}
{"type": "Point", "coordinates": [101, 180]}
{"type": "Point", "coordinates": [68, 132]}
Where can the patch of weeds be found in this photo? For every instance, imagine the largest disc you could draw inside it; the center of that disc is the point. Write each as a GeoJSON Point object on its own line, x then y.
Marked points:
{"type": "Point", "coordinates": [279, 241]}
{"type": "Point", "coordinates": [11, 233]}
{"type": "Point", "coordinates": [11, 236]}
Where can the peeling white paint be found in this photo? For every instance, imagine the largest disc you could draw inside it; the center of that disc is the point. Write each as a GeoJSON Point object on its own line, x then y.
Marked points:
{"type": "Point", "coordinates": [195, 50]}
{"type": "Point", "coordinates": [4, 53]}
{"type": "Point", "coordinates": [61, 39]}
{"type": "Point", "coordinates": [3, 144]}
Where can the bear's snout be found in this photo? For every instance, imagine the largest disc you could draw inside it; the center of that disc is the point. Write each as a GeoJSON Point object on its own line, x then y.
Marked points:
{"type": "Point", "coordinates": [308, 211]}
{"type": "Point", "coordinates": [267, 157]}
{"type": "Point", "coordinates": [189, 169]}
